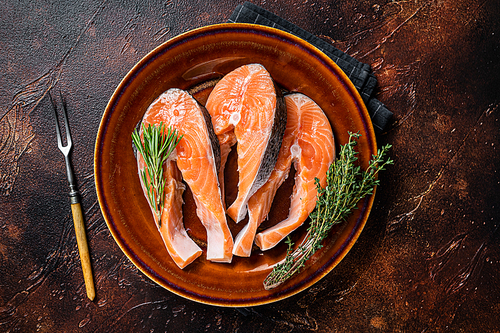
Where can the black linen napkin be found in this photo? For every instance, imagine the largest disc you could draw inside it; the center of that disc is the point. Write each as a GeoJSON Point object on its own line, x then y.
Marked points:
{"type": "Point", "coordinates": [359, 73]}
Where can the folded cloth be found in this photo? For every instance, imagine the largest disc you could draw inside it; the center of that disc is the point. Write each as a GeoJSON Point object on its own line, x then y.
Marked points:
{"type": "Point", "coordinates": [359, 73]}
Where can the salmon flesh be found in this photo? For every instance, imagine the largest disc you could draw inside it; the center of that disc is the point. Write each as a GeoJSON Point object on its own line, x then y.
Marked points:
{"type": "Point", "coordinates": [260, 203]}
{"type": "Point", "coordinates": [182, 249]}
{"type": "Point", "coordinates": [248, 109]}
{"type": "Point", "coordinates": [310, 145]}
{"type": "Point", "coordinates": [197, 156]}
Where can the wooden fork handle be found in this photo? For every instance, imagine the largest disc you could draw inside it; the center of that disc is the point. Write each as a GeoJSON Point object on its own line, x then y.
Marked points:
{"type": "Point", "coordinates": [83, 248]}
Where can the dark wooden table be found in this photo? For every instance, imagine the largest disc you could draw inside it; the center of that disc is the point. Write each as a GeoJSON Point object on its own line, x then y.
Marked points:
{"type": "Point", "coordinates": [428, 259]}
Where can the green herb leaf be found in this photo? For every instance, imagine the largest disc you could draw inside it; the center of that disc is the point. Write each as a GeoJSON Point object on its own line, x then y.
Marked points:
{"type": "Point", "coordinates": [346, 184]}
{"type": "Point", "coordinates": [157, 145]}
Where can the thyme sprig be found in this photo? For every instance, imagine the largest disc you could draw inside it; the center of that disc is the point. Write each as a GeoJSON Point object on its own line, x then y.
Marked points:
{"type": "Point", "coordinates": [346, 184]}
{"type": "Point", "coordinates": [158, 144]}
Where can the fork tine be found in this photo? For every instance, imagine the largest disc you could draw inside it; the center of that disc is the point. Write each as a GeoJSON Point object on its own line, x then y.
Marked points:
{"type": "Point", "coordinates": [65, 114]}
{"type": "Point", "coordinates": [54, 109]}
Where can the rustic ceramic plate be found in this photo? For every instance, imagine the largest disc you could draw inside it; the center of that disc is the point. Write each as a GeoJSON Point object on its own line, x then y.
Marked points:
{"type": "Point", "coordinates": [192, 61]}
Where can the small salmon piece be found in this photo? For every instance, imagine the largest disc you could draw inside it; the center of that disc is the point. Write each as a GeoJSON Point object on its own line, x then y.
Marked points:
{"type": "Point", "coordinates": [198, 158]}
{"type": "Point", "coordinates": [247, 108]}
{"type": "Point", "coordinates": [180, 246]}
{"type": "Point", "coordinates": [312, 152]}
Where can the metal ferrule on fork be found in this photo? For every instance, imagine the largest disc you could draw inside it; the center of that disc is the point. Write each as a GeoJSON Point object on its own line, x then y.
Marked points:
{"type": "Point", "coordinates": [74, 195]}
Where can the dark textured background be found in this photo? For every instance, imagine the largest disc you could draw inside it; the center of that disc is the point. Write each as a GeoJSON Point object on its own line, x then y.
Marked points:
{"type": "Point", "coordinates": [428, 259]}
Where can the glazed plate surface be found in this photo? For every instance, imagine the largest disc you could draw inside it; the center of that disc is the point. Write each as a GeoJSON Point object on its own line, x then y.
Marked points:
{"type": "Point", "coordinates": [194, 61]}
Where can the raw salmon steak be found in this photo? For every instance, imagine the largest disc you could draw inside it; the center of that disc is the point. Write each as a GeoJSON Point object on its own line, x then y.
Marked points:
{"type": "Point", "coordinates": [312, 151]}
{"type": "Point", "coordinates": [248, 109]}
{"type": "Point", "coordinates": [180, 246]}
{"type": "Point", "coordinates": [260, 203]}
{"type": "Point", "coordinates": [198, 158]}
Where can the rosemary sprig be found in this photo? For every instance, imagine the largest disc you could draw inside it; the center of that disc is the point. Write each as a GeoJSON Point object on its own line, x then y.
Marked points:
{"type": "Point", "coordinates": [346, 184]}
{"type": "Point", "coordinates": [157, 147]}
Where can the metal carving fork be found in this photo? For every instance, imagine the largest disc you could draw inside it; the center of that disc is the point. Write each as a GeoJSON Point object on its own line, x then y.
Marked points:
{"type": "Point", "coordinates": [76, 208]}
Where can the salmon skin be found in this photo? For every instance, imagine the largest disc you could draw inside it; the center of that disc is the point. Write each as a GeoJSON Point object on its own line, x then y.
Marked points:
{"type": "Point", "coordinates": [310, 145]}
{"type": "Point", "coordinates": [247, 108]}
{"type": "Point", "coordinates": [197, 156]}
